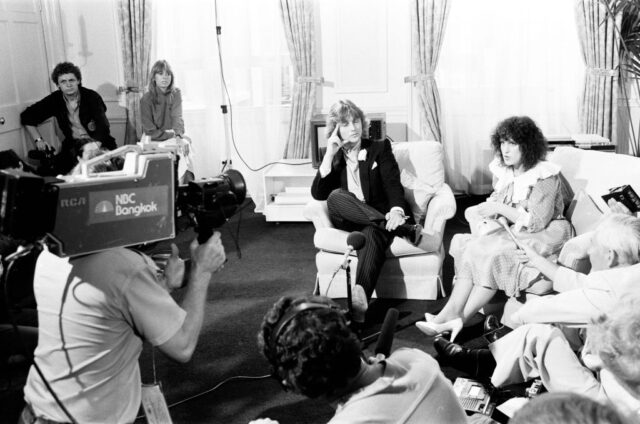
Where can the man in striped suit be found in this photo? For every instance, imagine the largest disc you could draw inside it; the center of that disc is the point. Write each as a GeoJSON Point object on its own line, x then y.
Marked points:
{"type": "Point", "coordinates": [360, 180]}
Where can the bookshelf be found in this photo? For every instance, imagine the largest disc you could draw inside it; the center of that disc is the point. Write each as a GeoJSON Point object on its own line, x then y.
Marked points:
{"type": "Point", "coordinates": [287, 188]}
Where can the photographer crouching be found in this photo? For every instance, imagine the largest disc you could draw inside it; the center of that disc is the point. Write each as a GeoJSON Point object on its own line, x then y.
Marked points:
{"type": "Point", "coordinates": [94, 312]}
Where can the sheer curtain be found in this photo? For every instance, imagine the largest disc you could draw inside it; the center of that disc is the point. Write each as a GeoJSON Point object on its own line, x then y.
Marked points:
{"type": "Point", "coordinates": [258, 75]}
{"type": "Point", "coordinates": [522, 58]}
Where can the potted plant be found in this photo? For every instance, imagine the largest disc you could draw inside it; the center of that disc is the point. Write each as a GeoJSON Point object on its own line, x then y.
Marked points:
{"type": "Point", "coordinates": [628, 31]}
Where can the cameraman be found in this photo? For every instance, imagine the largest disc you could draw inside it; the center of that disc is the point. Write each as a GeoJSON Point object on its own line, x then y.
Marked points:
{"type": "Point", "coordinates": [94, 311]}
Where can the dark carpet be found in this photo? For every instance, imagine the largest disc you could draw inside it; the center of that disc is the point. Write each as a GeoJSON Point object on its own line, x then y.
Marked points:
{"type": "Point", "coordinates": [265, 261]}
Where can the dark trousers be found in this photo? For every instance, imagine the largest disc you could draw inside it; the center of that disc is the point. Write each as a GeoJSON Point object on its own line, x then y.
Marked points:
{"type": "Point", "coordinates": [350, 214]}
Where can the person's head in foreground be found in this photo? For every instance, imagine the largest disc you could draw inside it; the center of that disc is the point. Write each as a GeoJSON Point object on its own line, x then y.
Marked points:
{"type": "Point", "coordinates": [615, 242]}
{"type": "Point", "coordinates": [566, 408]}
{"type": "Point", "coordinates": [352, 124]}
{"type": "Point", "coordinates": [519, 143]}
{"type": "Point", "coordinates": [310, 346]}
{"type": "Point", "coordinates": [615, 339]}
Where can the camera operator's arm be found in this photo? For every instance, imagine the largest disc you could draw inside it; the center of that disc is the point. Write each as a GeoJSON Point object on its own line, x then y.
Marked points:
{"type": "Point", "coordinates": [206, 258]}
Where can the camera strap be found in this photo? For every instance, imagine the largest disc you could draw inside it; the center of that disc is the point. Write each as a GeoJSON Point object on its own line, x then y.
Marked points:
{"type": "Point", "coordinates": [153, 401]}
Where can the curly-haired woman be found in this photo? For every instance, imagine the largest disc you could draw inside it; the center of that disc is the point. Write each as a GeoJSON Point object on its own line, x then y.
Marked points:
{"type": "Point", "coordinates": [528, 195]}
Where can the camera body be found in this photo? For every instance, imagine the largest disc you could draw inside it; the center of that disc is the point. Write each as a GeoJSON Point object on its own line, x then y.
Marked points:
{"type": "Point", "coordinates": [91, 212]}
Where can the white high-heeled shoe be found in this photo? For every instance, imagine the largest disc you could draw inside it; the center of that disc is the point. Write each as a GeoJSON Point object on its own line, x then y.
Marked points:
{"type": "Point", "coordinates": [432, 329]}
{"type": "Point", "coordinates": [429, 317]}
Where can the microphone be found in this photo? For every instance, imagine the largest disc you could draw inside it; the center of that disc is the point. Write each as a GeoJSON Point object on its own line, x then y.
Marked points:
{"type": "Point", "coordinates": [503, 221]}
{"type": "Point", "coordinates": [355, 241]}
{"type": "Point", "coordinates": [387, 331]}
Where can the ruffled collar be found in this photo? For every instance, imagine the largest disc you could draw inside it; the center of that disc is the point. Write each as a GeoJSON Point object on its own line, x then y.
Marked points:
{"type": "Point", "coordinates": [521, 184]}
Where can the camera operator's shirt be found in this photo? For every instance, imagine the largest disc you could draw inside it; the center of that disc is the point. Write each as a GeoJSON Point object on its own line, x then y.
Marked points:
{"type": "Point", "coordinates": [93, 313]}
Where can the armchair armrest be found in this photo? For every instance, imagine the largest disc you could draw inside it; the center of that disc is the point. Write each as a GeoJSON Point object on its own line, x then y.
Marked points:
{"type": "Point", "coordinates": [317, 212]}
{"type": "Point", "coordinates": [441, 208]}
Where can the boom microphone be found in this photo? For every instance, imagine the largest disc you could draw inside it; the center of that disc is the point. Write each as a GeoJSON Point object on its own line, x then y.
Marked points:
{"type": "Point", "coordinates": [385, 340]}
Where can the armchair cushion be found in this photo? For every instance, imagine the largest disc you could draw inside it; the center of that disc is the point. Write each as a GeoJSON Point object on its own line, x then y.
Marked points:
{"type": "Point", "coordinates": [421, 173]}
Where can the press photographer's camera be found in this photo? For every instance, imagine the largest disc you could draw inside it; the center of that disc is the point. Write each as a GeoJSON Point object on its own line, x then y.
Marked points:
{"type": "Point", "coordinates": [96, 211]}
{"type": "Point", "coordinates": [45, 158]}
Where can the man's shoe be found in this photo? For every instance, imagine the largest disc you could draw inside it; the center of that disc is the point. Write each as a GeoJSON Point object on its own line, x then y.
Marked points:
{"type": "Point", "coordinates": [478, 363]}
{"type": "Point", "coordinates": [359, 303]}
{"type": "Point", "coordinates": [412, 232]}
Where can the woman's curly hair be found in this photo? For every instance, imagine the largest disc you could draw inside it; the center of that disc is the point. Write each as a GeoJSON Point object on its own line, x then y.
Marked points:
{"type": "Point", "coordinates": [316, 353]}
{"type": "Point", "coordinates": [523, 131]}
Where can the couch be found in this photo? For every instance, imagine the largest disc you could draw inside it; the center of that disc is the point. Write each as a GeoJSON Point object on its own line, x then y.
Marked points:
{"type": "Point", "coordinates": [408, 272]}
{"type": "Point", "coordinates": [589, 174]}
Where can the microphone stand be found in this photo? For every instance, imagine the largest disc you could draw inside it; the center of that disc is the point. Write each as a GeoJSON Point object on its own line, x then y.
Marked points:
{"type": "Point", "coordinates": [349, 301]}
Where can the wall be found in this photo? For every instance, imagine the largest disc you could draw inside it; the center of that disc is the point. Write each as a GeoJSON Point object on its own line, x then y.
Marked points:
{"type": "Point", "coordinates": [366, 53]}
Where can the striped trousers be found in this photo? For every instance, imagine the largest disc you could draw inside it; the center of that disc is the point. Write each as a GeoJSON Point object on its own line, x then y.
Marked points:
{"type": "Point", "coordinates": [350, 214]}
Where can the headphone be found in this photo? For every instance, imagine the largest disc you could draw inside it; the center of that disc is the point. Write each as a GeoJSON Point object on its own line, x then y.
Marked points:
{"type": "Point", "coordinates": [291, 313]}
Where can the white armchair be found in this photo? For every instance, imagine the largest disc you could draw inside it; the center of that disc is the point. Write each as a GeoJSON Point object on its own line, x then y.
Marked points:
{"type": "Point", "coordinates": [409, 272]}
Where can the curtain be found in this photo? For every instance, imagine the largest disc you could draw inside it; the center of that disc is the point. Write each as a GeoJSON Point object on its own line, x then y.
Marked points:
{"type": "Point", "coordinates": [429, 19]}
{"type": "Point", "coordinates": [502, 58]}
{"type": "Point", "coordinates": [599, 45]}
{"type": "Point", "coordinates": [135, 24]}
{"type": "Point", "coordinates": [257, 75]}
{"type": "Point", "coordinates": [298, 21]}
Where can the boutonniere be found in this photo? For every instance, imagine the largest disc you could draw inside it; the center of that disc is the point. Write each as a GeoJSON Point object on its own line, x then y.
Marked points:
{"type": "Point", "coordinates": [362, 155]}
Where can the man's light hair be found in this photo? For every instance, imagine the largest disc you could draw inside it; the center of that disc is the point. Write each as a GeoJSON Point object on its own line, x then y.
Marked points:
{"type": "Point", "coordinates": [614, 337]}
{"type": "Point", "coordinates": [620, 233]}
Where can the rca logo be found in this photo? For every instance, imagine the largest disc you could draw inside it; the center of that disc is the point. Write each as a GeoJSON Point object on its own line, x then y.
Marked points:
{"type": "Point", "coordinates": [72, 202]}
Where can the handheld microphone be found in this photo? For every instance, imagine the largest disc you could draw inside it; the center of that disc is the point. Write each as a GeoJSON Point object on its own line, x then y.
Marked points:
{"type": "Point", "coordinates": [387, 332]}
{"type": "Point", "coordinates": [355, 241]}
{"type": "Point", "coordinates": [503, 221]}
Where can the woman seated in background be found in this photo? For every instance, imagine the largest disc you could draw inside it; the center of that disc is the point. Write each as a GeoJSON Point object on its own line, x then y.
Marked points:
{"type": "Point", "coordinates": [528, 197]}
{"type": "Point", "coordinates": [161, 115]}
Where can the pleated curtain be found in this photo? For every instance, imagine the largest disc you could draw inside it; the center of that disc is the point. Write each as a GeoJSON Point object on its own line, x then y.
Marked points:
{"type": "Point", "coordinates": [298, 21]}
{"type": "Point", "coordinates": [599, 45]}
{"type": "Point", "coordinates": [135, 24]}
{"type": "Point", "coordinates": [429, 18]}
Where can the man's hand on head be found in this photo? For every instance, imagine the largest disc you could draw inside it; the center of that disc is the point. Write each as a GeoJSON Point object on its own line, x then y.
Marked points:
{"type": "Point", "coordinates": [334, 143]}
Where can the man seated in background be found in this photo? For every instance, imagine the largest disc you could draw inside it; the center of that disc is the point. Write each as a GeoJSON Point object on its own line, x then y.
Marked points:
{"type": "Point", "coordinates": [79, 112]}
{"type": "Point", "coordinates": [312, 351]}
{"type": "Point", "coordinates": [360, 180]}
{"type": "Point", "coordinates": [94, 311]}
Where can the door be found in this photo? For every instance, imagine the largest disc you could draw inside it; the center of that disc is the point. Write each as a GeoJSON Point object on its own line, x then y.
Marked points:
{"type": "Point", "coordinates": [24, 72]}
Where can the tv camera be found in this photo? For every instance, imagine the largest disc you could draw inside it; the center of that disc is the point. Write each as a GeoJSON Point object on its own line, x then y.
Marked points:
{"type": "Point", "coordinates": [94, 211]}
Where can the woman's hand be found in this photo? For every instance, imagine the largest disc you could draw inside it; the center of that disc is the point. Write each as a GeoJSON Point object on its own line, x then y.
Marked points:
{"type": "Point", "coordinates": [487, 209]}
{"type": "Point", "coordinates": [395, 218]}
